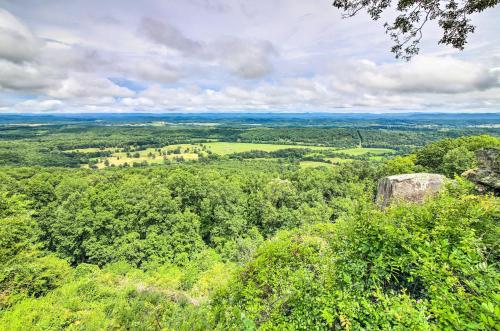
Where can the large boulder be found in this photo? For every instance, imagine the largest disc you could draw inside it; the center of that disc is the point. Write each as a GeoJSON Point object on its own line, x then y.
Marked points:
{"type": "Point", "coordinates": [487, 174]}
{"type": "Point", "coordinates": [409, 187]}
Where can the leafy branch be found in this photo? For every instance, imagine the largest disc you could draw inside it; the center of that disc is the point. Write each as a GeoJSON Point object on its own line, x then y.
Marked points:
{"type": "Point", "coordinates": [406, 31]}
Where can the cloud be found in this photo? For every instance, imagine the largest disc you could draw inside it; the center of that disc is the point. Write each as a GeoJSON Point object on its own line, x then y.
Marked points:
{"type": "Point", "coordinates": [76, 57]}
{"type": "Point", "coordinates": [285, 95]}
{"type": "Point", "coordinates": [217, 55]}
{"type": "Point", "coordinates": [137, 102]}
{"type": "Point", "coordinates": [88, 86]}
{"type": "Point", "coordinates": [152, 71]}
{"type": "Point", "coordinates": [212, 5]}
{"type": "Point", "coordinates": [425, 74]}
{"type": "Point", "coordinates": [26, 76]}
{"type": "Point", "coordinates": [359, 85]}
{"type": "Point", "coordinates": [165, 34]}
{"type": "Point", "coordinates": [36, 106]}
{"type": "Point", "coordinates": [17, 42]}
{"type": "Point", "coordinates": [247, 59]}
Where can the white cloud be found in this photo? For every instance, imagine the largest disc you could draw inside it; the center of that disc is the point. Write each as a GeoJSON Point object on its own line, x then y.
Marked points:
{"type": "Point", "coordinates": [246, 58]}
{"type": "Point", "coordinates": [36, 106]}
{"type": "Point", "coordinates": [424, 74]}
{"type": "Point", "coordinates": [26, 76]}
{"type": "Point", "coordinates": [150, 70]}
{"type": "Point", "coordinates": [137, 102]}
{"type": "Point", "coordinates": [167, 35]}
{"type": "Point", "coordinates": [17, 42]}
{"type": "Point", "coordinates": [88, 86]}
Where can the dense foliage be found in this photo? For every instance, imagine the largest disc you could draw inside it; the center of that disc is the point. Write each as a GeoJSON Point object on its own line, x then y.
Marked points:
{"type": "Point", "coordinates": [448, 156]}
{"type": "Point", "coordinates": [246, 244]}
{"type": "Point", "coordinates": [418, 268]}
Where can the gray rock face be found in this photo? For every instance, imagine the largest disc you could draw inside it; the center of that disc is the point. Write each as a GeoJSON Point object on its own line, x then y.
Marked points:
{"type": "Point", "coordinates": [487, 174]}
{"type": "Point", "coordinates": [409, 187]}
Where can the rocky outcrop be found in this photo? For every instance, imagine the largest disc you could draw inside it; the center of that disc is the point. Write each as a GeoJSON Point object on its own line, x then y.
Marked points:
{"type": "Point", "coordinates": [409, 187]}
{"type": "Point", "coordinates": [487, 175]}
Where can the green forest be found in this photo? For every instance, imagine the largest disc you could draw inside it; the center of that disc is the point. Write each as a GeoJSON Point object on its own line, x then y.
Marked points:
{"type": "Point", "coordinates": [243, 237]}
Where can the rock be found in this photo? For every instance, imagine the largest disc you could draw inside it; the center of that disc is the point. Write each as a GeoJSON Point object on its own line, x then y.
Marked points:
{"type": "Point", "coordinates": [489, 158]}
{"type": "Point", "coordinates": [409, 187]}
{"type": "Point", "coordinates": [487, 175]}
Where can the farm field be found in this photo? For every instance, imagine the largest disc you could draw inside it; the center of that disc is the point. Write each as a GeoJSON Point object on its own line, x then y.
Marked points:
{"type": "Point", "coordinates": [338, 160]}
{"type": "Point", "coordinates": [148, 156]}
{"type": "Point", "coordinates": [146, 160]}
{"type": "Point", "coordinates": [362, 150]}
{"type": "Point", "coordinates": [314, 164]}
{"type": "Point", "coordinates": [151, 156]}
{"type": "Point", "coordinates": [92, 150]}
{"type": "Point", "coordinates": [224, 148]}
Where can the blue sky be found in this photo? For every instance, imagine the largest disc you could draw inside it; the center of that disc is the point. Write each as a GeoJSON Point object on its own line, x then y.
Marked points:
{"type": "Point", "coordinates": [214, 55]}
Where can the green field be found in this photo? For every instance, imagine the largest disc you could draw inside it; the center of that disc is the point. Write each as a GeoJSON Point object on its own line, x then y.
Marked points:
{"type": "Point", "coordinates": [150, 155]}
{"type": "Point", "coordinates": [121, 160]}
{"type": "Point", "coordinates": [361, 151]}
{"type": "Point", "coordinates": [314, 164]}
{"type": "Point", "coordinates": [92, 150]}
{"type": "Point", "coordinates": [338, 159]}
{"type": "Point", "coordinates": [192, 151]}
{"type": "Point", "coordinates": [223, 148]}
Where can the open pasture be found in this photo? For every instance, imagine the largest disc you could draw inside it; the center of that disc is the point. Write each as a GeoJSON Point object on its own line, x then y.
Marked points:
{"type": "Point", "coordinates": [223, 148]}
{"type": "Point", "coordinates": [193, 151]}
{"type": "Point", "coordinates": [360, 151]}
{"type": "Point", "coordinates": [313, 164]}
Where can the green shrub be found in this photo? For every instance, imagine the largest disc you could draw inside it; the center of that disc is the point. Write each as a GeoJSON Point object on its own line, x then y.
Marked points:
{"type": "Point", "coordinates": [435, 156]}
{"type": "Point", "coordinates": [413, 267]}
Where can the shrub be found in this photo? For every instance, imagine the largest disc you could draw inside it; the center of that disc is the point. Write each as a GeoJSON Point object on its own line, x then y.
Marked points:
{"type": "Point", "coordinates": [413, 267]}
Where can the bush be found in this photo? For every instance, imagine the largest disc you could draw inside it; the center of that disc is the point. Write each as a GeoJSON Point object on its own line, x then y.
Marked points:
{"type": "Point", "coordinates": [31, 275]}
{"type": "Point", "coordinates": [432, 156]}
{"type": "Point", "coordinates": [457, 160]}
{"type": "Point", "coordinates": [413, 267]}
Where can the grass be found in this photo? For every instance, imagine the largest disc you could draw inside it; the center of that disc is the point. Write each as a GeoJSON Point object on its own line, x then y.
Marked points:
{"type": "Point", "coordinates": [187, 152]}
{"type": "Point", "coordinates": [92, 149]}
{"type": "Point", "coordinates": [338, 159]}
{"type": "Point", "coordinates": [223, 148]}
{"type": "Point", "coordinates": [120, 160]}
{"type": "Point", "coordinates": [313, 164]}
{"type": "Point", "coordinates": [151, 155]}
{"type": "Point", "coordinates": [361, 151]}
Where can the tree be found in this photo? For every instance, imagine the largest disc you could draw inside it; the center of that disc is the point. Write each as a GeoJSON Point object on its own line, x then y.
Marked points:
{"type": "Point", "coordinates": [400, 165]}
{"type": "Point", "coordinates": [453, 18]}
{"type": "Point", "coordinates": [432, 155]}
{"type": "Point", "coordinates": [458, 160]}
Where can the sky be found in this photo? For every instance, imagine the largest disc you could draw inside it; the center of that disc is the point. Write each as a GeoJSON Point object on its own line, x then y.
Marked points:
{"type": "Point", "coordinates": [232, 55]}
